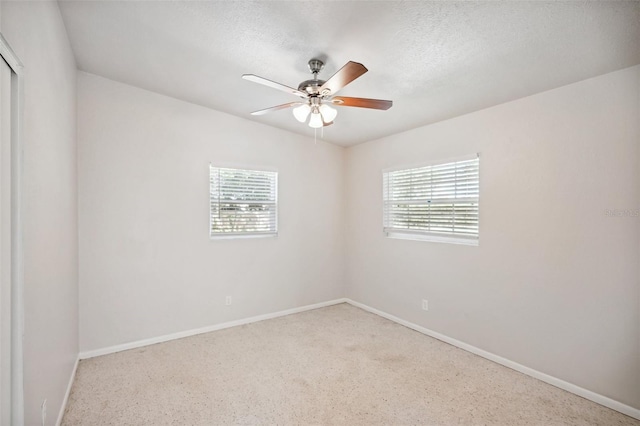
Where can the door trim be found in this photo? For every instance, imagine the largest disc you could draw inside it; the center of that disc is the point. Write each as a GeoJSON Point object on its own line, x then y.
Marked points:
{"type": "Point", "coordinates": [17, 271]}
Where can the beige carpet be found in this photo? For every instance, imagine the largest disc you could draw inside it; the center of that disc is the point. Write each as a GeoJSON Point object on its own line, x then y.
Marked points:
{"type": "Point", "coordinates": [337, 365]}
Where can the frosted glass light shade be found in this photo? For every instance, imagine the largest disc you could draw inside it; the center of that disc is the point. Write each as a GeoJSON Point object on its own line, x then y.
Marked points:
{"type": "Point", "coordinates": [316, 120]}
{"type": "Point", "coordinates": [301, 112]}
{"type": "Point", "coordinates": [328, 113]}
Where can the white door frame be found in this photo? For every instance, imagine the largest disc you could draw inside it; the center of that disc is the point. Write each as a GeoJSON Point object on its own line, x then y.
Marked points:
{"type": "Point", "coordinates": [17, 278]}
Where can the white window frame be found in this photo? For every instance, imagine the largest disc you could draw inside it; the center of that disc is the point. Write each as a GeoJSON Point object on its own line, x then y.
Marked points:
{"type": "Point", "coordinates": [242, 234]}
{"type": "Point", "coordinates": [423, 235]}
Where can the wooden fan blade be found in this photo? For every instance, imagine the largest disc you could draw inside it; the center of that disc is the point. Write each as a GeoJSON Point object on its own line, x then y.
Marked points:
{"type": "Point", "coordinates": [361, 102]}
{"type": "Point", "coordinates": [344, 76]}
{"type": "Point", "coordinates": [276, 108]}
{"type": "Point", "coordinates": [327, 124]}
{"type": "Point", "coordinates": [274, 85]}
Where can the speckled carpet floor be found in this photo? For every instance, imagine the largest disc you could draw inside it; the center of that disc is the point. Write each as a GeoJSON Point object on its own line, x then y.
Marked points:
{"type": "Point", "coordinates": [333, 366]}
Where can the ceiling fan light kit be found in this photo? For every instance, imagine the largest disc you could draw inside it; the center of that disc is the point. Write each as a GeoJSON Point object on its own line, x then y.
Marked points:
{"type": "Point", "coordinates": [316, 121]}
{"type": "Point", "coordinates": [328, 113]}
{"type": "Point", "coordinates": [318, 95]}
{"type": "Point", "coordinates": [302, 112]}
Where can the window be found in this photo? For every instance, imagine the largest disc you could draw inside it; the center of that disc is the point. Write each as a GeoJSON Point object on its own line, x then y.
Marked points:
{"type": "Point", "coordinates": [438, 202]}
{"type": "Point", "coordinates": [243, 202]}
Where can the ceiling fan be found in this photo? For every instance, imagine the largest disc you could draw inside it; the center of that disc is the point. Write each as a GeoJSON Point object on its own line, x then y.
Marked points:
{"type": "Point", "coordinates": [318, 95]}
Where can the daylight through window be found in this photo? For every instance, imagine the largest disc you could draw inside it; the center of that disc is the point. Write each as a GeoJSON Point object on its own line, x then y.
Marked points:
{"type": "Point", "coordinates": [438, 202]}
{"type": "Point", "coordinates": [243, 202]}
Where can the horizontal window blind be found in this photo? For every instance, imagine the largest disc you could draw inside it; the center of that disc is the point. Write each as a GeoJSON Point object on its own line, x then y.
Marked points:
{"type": "Point", "coordinates": [440, 200]}
{"type": "Point", "coordinates": [243, 202]}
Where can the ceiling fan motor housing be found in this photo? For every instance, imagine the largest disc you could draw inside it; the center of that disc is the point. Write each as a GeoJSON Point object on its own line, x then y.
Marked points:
{"type": "Point", "coordinates": [311, 87]}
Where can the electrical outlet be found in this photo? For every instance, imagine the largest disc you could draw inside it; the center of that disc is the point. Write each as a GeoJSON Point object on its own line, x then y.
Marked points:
{"type": "Point", "coordinates": [227, 301]}
{"type": "Point", "coordinates": [44, 412]}
{"type": "Point", "coordinates": [425, 305]}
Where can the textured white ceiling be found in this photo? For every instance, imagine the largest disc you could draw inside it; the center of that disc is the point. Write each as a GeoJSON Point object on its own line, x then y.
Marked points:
{"type": "Point", "coordinates": [435, 60]}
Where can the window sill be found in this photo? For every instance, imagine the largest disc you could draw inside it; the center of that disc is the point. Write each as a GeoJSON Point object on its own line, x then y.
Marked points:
{"type": "Point", "coordinates": [433, 238]}
{"type": "Point", "coordinates": [241, 236]}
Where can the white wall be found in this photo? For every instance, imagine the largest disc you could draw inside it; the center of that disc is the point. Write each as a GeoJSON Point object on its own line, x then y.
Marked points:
{"type": "Point", "coordinates": [555, 283]}
{"type": "Point", "coordinates": [147, 266]}
{"type": "Point", "coordinates": [36, 33]}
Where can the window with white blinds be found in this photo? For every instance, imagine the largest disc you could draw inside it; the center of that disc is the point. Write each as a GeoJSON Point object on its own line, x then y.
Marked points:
{"type": "Point", "coordinates": [438, 202]}
{"type": "Point", "coordinates": [243, 202]}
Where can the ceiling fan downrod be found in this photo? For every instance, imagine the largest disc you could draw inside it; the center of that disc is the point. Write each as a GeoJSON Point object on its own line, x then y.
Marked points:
{"type": "Point", "coordinates": [312, 87]}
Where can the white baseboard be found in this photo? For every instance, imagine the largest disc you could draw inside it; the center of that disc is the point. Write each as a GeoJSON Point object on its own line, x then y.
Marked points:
{"type": "Point", "coordinates": [67, 393]}
{"type": "Point", "coordinates": [569, 387]}
{"type": "Point", "coordinates": [207, 329]}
